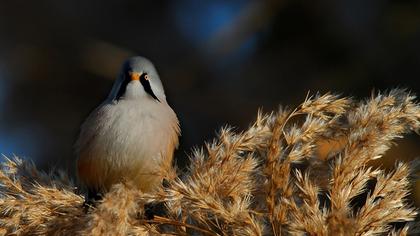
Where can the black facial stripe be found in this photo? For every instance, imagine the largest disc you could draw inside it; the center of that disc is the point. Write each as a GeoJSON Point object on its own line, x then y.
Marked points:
{"type": "Point", "coordinates": [123, 86]}
{"type": "Point", "coordinates": [147, 87]}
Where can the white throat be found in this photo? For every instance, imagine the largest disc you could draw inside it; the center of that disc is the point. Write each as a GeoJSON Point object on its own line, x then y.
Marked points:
{"type": "Point", "coordinates": [135, 90]}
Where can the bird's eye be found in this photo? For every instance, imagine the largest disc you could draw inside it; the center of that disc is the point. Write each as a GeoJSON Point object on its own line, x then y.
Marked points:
{"type": "Point", "coordinates": [145, 81]}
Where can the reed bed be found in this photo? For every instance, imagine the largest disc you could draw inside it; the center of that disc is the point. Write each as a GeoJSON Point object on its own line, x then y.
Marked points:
{"type": "Point", "coordinates": [266, 180]}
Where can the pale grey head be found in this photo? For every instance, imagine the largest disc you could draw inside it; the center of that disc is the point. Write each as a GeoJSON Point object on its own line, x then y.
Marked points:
{"type": "Point", "coordinates": [138, 78]}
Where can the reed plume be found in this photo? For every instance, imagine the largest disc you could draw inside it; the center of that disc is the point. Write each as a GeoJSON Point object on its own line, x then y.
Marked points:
{"type": "Point", "coordinates": [266, 180]}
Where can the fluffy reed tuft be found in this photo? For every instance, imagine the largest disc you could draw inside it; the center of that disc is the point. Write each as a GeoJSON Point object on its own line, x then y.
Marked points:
{"type": "Point", "coordinates": [266, 180]}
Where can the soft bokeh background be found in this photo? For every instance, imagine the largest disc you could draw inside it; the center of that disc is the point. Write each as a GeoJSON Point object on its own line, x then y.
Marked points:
{"type": "Point", "coordinates": [219, 61]}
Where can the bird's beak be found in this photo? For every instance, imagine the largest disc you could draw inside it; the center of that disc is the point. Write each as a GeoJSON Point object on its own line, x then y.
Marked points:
{"type": "Point", "coordinates": [135, 76]}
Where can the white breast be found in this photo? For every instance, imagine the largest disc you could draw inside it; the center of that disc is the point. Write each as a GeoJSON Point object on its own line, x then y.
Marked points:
{"type": "Point", "coordinates": [127, 140]}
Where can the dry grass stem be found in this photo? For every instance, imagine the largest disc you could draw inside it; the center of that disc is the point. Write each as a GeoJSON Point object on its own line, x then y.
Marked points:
{"type": "Point", "coordinates": [266, 180]}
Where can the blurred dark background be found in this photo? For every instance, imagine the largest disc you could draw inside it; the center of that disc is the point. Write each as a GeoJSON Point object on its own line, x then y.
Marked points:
{"type": "Point", "coordinates": [219, 61]}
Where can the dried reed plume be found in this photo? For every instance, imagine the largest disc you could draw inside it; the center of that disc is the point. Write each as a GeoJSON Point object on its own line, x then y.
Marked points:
{"type": "Point", "coordinates": [267, 180]}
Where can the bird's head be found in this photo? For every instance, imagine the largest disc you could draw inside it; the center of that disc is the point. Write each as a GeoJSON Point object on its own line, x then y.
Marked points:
{"type": "Point", "coordinates": [138, 79]}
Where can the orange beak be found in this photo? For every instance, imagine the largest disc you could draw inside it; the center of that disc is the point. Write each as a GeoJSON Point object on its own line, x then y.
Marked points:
{"type": "Point", "coordinates": [135, 76]}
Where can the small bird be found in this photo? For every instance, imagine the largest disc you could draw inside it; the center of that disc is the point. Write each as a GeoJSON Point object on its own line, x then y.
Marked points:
{"type": "Point", "coordinates": [131, 136]}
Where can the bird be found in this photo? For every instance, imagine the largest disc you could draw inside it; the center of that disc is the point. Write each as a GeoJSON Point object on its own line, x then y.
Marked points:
{"type": "Point", "coordinates": [131, 136]}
